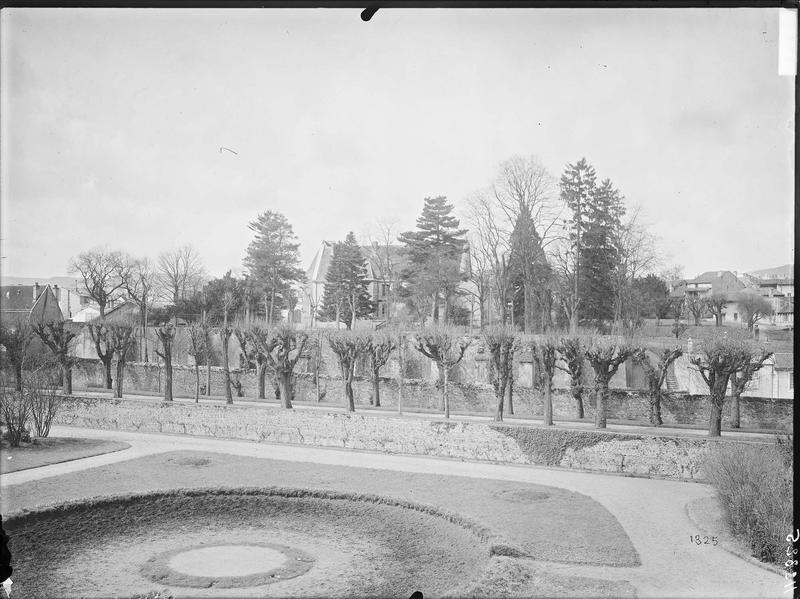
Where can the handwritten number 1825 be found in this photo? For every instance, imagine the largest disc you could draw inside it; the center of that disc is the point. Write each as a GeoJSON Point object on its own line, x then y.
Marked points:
{"type": "Point", "coordinates": [698, 540]}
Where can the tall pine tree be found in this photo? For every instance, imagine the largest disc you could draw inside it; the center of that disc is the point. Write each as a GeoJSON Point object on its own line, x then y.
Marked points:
{"type": "Point", "coordinates": [434, 251]}
{"type": "Point", "coordinates": [530, 274]}
{"type": "Point", "coordinates": [273, 261]}
{"type": "Point", "coordinates": [346, 297]}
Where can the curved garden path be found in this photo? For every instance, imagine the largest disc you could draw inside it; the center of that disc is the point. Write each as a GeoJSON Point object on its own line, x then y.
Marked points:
{"type": "Point", "coordinates": [652, 512]}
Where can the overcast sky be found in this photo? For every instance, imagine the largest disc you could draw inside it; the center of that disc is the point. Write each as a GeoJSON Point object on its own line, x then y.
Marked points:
{"type": "Point", "coordinates": [113, 119]}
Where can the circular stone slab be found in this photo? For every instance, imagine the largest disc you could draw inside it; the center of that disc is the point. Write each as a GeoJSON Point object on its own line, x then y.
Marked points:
{"type": "Point", "coordinates": [227, 560]}
{"type": "Point", "coordinates": [227, 566]}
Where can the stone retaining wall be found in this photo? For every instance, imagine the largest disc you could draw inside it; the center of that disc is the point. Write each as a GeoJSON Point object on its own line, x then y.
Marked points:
{"type": "Point", "coordinates": [647, 455]}
{"type": "Point", "coordinates": [677, 408]}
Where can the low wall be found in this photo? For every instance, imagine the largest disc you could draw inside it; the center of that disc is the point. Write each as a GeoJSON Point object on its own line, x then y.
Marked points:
{"type": "Point", "coordinates": [646, 455]}
{"type": "Point", "coordinates": [677, 408]}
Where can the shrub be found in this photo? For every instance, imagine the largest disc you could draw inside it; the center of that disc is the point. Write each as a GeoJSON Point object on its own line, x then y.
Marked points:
{"type": "Point", "coordinates": [41, 393]}
{"type": "Point", "coordinates": [15, 412]}
{"type": "Point", "coordinates": [754, 485]}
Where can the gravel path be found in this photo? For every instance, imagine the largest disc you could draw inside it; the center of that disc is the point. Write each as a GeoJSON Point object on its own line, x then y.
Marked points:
{"type": "Point", "coordinates": [652, 512]}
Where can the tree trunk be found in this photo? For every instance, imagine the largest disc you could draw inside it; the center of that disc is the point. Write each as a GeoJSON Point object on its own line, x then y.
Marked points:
{"type": "Point", "coordinates": [376, 388]}
{"type": "Point", "coordinates": [500, 397]}
{"type": "Point", "coordinates": [348, 392]}
{"type": "Point", "coordinates": [118, 383]}
{"type": "Point", "coordinates": [655, 408]}
{"type": "Point", "coordinates": [527, 307]}
{"type": "Point", "coordinates": [168, 377]}
{"type": "Point", "coordinates": [107, 366]}
{"type": "Point", "coordinates": [715, 419]}
{"type": "Point", "coordinates": [284, 380]}
{"type": "Point", "coordinates": [18, 376]}
{"type": "Point", "coordinates": [400, 364]}
{"type": "Point", "coordinates": [548, 402]}
{"type": "Point", "coordinates": [208, 375]}
{"type": "Point", "coordinates": [261, 374]}
{"type": "Point", "coordinates": [510, 387]}
{"type": "Point", "coordinates": [196, 382]}
{"type": "Point", "coordinates": [226, 370]}
{"type": "Point", "coordinates": [66, 379]}
{"type": "Point", "coordinates": [601, 400]}
{"type": "Point", "coordinates": [735, 420]}
{"type": "Point", "coordinates": [577, 395]}
{"type": "Point", "coordinates": [445, 395]}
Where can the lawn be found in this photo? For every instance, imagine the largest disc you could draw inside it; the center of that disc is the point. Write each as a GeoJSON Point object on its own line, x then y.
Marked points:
{"type": "Point", "coordinates": [520, 523]}
{"type": "Point", "coordinates": [52, 450]}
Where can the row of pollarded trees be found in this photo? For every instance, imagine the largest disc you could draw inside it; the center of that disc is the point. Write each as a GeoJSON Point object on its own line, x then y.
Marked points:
{"type": "Point", "coordinates": [753, 307]}
{"type": "Point", "coordinates": [723, 362]}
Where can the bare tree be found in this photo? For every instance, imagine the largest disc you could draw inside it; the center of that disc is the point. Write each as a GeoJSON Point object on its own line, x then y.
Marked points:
{"type": "Point", "coordinates": [526, 192]}
{"type": "Point", "coordinates": [716, 303]}
{"type": "Point", "coordinates": [636, 248]}
{"type": "Point", "coordinates": [720, 357]}
{"type": "Point", "coordinates": [16, 340]}
{"type": "Point", "coordinates": [348, 346]}
{"type": "Point", "coordinates": [140, 284]}
{"type": "Point", "coordinates": [180, 272]}
{"type": "Point", "coordinates": [573, 360]}
{"type": "Point", "coordinates": [58, 337]}
{"type": "Point", "coordinates": [198, 351]}
{"type": "Point", "coordinates": [753, 307]}
{"type": "Point", "coordinates": [103, 347]}
{"type": "Point", "coordinates": [166, 335]}
{"type": "Point", "coordinates": [122, 340]}
{"type": "Point", "coordinates": [741, 378]}
{"type": "Point", "coordinates": [379, 347]}
{"type": "Point", "coordinates": [605, 354]}
{"type": "Point", "coordinates": [501, 344]}
{"type": "Point", "coordinates": [446, 348]}
{"type": "Point", "coordinates": [384, 257]}
{"type": "Point", "coordinates": [283, 347]}
{"type": "Point", "coordinates": [696, 306]}
{"type": "Point", "coordinates": [656, 373]}
{"type": "Point", "coordinates": [104, 274]}
{"type": "Point", "coordinates": [544, 350]}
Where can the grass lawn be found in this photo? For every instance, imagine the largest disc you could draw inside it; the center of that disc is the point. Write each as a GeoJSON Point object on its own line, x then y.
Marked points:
{"type": "Point", "coordinates": [529, 522]}
{"type": "Point", "coordinates": [51, 450]}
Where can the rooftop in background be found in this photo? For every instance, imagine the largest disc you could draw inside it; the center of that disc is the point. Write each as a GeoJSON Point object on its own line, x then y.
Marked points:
{"type": "Point", "coordinates": [71, 283]}
{"type": "Point", "coordinates": [777, 272]}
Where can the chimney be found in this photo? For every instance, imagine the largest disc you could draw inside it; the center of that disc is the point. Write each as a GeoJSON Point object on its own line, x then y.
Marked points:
{"type": "Point", "coordinates": [57, 293]}
{"type": "Point", "coordinates": [36, 291]}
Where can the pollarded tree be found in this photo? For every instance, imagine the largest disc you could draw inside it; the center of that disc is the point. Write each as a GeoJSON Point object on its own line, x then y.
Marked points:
{"type": "Point", "coordinates": [282, 346]}
{"type": "Point", "coordinates": [434, 250]}
{"type": "Point", "coordinates": [573, 361]}
{"type": "Point", "coordinates": [753, 307]}
{"type": "Point", "coordinates": [16, 340]}
{"type": "Point", "coordinates": [346, 297]}
{"type": "Point", "coordinates": [720, 357]}
{"type": "Point", "coordinates": [655, 372]}
{"type": "Point", "coordinates": [605, 355]}
{"type": "Point", "coordinates": [741, 378]}
{"type": "Point", "coordinates": [122, 340]}
{"type": "Point", "coordinates": [348, 347]}
{"type": "Point", "coordinates": [58, 337]}
{"type": "Point", "coordinates": [103, 347]}
{"type": "Point", "coordinates": [197, 349]}
{"type": "Point", "coordinates": [273, 261]}
{"type": "Point", "coordinates": [446, 348]}
{"type": "Point", "coordinates": [545, 353]}
{"type": "Point", "coordinates": [379, 348]}
{"type": "Point", "coordinates": [716, 303]}
{"type": "Point", "coordinates": [166, 335]}
{"type": "Point", "coordinates": [501, 343]}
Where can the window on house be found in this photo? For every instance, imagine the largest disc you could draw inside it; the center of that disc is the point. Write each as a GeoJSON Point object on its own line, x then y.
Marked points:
{"type": "Point", "coordinates": [735, 316]}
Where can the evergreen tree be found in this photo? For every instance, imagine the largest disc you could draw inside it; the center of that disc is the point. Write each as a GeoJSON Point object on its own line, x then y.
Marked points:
{"type": "Point", "coordinates": [530, 273]}
{"type": "Point", "coordinates": [273, 261]}
{"type": "Point", "coordinates": [578, 183]}
{"type": "Point", "coordinates": [600, 252]}
{"type": "Point", "coordinates": [346, 297]}
{"type": "Point", "coordinates": [434, 251]}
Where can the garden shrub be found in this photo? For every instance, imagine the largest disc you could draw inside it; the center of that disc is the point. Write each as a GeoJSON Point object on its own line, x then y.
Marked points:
{"type": "Point", "coordinates": [754, 486]}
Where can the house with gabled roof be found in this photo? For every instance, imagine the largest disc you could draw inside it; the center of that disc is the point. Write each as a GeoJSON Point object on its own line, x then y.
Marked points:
{"type": "Point", "coordinates": [32, 304]}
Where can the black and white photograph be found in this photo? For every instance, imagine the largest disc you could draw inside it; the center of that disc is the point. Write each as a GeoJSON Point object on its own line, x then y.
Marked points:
{"type": "Point", "coordinates": [385, 301]}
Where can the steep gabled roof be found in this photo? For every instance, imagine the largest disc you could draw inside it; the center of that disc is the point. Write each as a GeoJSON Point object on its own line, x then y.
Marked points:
{"type": "Point", "coordinates": [16, 298]}
{"type": "Point", "coordinates": [722, 281]}
{"type": "Point", "coordinates": [784, 361]}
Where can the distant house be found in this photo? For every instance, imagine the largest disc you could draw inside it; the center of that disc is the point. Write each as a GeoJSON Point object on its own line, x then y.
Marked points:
{"type": "Point", "coordinates": [33, 304]}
